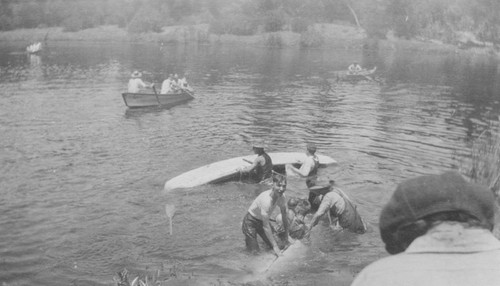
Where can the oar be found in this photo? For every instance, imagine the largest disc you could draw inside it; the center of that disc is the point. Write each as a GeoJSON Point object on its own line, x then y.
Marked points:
{"type": "Point", "coordinates": [248, 161]}
{"type": "Point", "coordinates": [170, 210]}
{"type": "Point", "coordinates": [156, 94]}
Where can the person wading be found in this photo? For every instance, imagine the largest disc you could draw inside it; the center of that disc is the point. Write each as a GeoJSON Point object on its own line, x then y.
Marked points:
{"type": "Point", "coordinates": [256, 221]}
{"type": "Point", "coordinates": [331, 200]}
{"type": "Point", "coordinates": [262, 167]}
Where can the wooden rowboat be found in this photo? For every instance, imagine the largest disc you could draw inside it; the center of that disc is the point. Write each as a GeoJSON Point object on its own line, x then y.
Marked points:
{"type": "Point", "coordinates": [362, 75]}
{"type": "Point", "coordinates": [134, 100]}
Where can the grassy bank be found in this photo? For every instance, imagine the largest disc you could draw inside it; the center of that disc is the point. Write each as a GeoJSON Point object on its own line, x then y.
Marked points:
{"type": "Point", "coordinates": [316, 36]}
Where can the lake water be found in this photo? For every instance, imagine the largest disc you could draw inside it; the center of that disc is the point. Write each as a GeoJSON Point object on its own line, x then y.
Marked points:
{"type": "Point", "coordinates": [82, 176]}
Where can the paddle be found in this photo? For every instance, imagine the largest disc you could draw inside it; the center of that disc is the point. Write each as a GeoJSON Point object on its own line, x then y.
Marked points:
{"type": "Point", "coordinates": [156, 94]}
{"type": "Point", "coordinates": [170, 210]}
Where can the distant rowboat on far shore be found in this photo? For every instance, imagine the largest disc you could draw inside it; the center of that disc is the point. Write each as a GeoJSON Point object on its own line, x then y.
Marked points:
{"type": "Point", "coordinates": [34, 48]}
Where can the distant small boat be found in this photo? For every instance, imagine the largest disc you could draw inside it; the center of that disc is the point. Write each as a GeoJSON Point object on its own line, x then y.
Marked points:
{"type": "Point", "coordinates": [361, 75]}
{"type": "Point", "coordinates": [133, 100]}
{"type": "Point", "coordinates": [34, 48]}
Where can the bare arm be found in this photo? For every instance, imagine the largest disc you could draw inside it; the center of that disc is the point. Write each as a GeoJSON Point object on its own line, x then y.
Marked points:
{"type": "Point", "coordinates": [303, 172]}
{"type": "Point", "coordinates": [269, 233]}
{"type": "Point", "coordinates": [323, 208]}
{"type": "Point", "coordinates": [254, 165]}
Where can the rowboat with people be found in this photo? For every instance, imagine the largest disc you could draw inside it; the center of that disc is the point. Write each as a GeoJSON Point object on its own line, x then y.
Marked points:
{"type": "Point", "coordinates": [135, 100]}
{"type": "Point", "coordinates": [364, 74]}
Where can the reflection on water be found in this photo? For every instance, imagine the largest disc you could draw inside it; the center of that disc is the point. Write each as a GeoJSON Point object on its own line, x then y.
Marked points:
{"type": "Point", "coordinates": [82, 175]}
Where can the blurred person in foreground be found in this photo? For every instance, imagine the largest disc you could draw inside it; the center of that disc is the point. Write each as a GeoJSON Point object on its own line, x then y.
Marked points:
{"type": "Point", "coordinates": [439, 229]}
{"type": "Point", "coordinates": [256, 221]}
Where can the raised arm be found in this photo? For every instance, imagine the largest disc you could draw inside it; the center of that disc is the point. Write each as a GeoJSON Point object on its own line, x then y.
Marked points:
{"type": "Point", "coordinates": [304, 170]}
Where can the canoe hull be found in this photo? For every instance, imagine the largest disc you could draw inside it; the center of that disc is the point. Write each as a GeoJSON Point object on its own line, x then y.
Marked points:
{"type": "Point", "coordinates": [228, 170]}
{"type": "Point", "coordinates": [135, 100]}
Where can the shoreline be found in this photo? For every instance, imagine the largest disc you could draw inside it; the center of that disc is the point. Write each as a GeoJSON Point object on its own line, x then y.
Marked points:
{"type": "Point", "coordinates": [318, 36]}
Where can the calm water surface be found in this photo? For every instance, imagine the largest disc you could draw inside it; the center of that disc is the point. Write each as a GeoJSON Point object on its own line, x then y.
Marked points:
{"type": "Point", "coordinates": [82, 176]}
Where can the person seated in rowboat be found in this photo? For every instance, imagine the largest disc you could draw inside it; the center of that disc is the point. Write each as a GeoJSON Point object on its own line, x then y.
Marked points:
{"type": "Point", "coordinates": [183, 83]}
{"type": "Point", "coordinates": [256, 220]}
{"type": "Point", "coordinates": [354, 68]}
{"type": "Point", "coordinates": [135, 84]}
{"type": "Point", "coordinates": [297, 209]}
{"type": "Point", "coordinates": [175, 84]}
{"type": "Point", "coordinates": [332, 201]}
{"type": "Point", "coordinates": [166, 86]}
{"type": "Point", "coordinates": [262, 167]}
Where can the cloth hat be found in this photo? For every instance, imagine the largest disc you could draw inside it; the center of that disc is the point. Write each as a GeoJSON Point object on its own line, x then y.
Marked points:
{"type": "Point", "coordinates": [321, 187]}
{"type": "Point", "coordinates": [311, 147]}
{"type": "Point", "coordinates": [416, 198]}
{"type": "Point", "coordinates": [136, 74]}
{"type": "Point", "coordinates": [259, 144]}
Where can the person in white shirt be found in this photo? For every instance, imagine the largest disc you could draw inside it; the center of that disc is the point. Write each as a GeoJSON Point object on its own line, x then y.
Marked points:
{"type": "Point", "coordinates": [166, 86]}
{"type": "Point", "coordinates": [354, 68]}
{"type": "Point", "coordinates": [182, 82]}
{"type": "Point", "coordinates": [438, 229]}
{"type": "Point", "coordinates": [256, 221]}
{"type": "Point", "coordinates": [135, 84]}
{"type": "Point", "coordinates": [309, 168]}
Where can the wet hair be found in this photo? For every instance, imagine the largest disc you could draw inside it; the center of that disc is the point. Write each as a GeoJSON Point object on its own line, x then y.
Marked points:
{"type": "Point", "coordinates": [292, 203]}
{"type": "Point", "coordinates": [406, 234]}
{"type": "Point", "coordinates": [278, 178]}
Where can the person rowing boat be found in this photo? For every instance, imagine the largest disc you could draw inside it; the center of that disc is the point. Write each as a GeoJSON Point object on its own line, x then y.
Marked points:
{"type": "Point", "coordinates": [135, 84]}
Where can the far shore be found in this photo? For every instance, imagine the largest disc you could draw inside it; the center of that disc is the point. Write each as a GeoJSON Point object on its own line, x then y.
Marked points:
{"type": "Point", "coordinates": [330, 36]}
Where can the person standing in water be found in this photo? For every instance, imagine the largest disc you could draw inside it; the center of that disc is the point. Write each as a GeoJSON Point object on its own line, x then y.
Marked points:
{"type": "Point", "coordinates": [332, 201]}
{"type": "Point", "coordinates": [262, 167]}
{"type": "Point", "coordinates": [309, 168]}
{"type": "Point", "coordinates": [256, 221]}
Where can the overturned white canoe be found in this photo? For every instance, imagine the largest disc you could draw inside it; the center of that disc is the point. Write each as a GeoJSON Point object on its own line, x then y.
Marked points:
{"type": "Point", "coordinates": [227, 170]}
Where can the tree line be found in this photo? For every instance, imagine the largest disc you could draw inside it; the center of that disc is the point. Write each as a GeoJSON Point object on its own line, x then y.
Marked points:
{"type": "Point", "coordinates": [433, 19]}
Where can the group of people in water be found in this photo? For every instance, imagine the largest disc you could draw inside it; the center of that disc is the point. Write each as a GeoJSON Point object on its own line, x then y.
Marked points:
{"type": "Point", "coordinates": [325, 199]}
{"type": "Point", "coordinates": [173, 84]}
{"type": "Point", "coordinates": [438, 228]}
